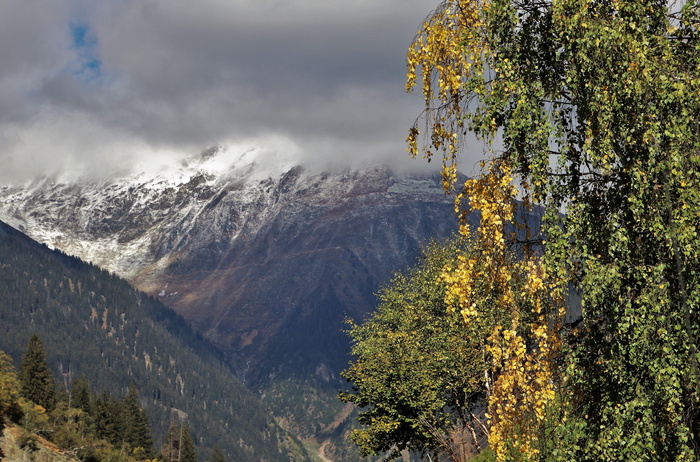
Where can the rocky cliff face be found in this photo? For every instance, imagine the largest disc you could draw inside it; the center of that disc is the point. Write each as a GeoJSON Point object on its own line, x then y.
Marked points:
{"type": "Point", "coordinates": [265, 263]}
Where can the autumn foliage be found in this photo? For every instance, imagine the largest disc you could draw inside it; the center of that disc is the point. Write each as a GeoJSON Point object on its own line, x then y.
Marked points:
{"type": "Point", "coordinates": [587, 111]}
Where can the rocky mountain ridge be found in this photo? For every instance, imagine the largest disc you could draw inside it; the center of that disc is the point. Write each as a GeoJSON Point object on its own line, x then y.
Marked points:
{"type": "Point", "coordinates": [267, 262]}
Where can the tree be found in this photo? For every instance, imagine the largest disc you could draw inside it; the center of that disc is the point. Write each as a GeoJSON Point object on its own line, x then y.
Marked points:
{"type": "Point", "coordinates": [9, 389]}
{"type": "Point", "coordinates": [70, 427]}
{"type": "Point", "coordinates": [170, 451]}
{"type": "Point", "coordinates": [36, 379]}
{"type": "Point", "coordinates": [217, 455]}
{"type": "Point", "coordinates": [187, 451]}
{"type": "Point", "coordinates": [137, 430]}
{"type": "Point", "coordinates": [81, 397]}
{"type": "Point", "coordinates": [178, 446]}
{"type": "Point", "coordinates": [418, 374]}
{"type": "Point", "coordinates": [591, 108]}
{"type": "Point", "coordinates": [109, 421]}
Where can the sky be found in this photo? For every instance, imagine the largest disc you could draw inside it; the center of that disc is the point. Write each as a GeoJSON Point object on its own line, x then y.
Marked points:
{"type": "Point", "coordinates": [102, 84]}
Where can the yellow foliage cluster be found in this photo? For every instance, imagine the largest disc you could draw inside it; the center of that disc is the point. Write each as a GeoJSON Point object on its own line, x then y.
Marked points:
{"type": "Point", "coordinates": [525, 388]}
{"type": "Point", "coordinates": [495, 280]}
{"type": "Point", "coordinates": [9, 386]}
{"type": "Point", "coordinates": [453, 27]}
{"type": "Point", "coordinates": [449, 50]}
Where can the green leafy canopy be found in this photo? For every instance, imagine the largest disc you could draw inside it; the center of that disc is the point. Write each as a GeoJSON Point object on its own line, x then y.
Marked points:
{"type": "Point", "coordinates": [592, 106]}
{"type": "Point", "coordinates": [418, 372]}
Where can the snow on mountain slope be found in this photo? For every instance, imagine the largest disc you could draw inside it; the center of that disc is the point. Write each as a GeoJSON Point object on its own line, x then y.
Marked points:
{"type": "Point", "coordinates": [117, 223]}
{"type": "Point", "coordinates": [264, 257]}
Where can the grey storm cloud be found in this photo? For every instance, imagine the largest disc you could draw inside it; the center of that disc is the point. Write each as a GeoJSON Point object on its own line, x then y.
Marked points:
{"type": "Point", "coordinates": [92, 82]}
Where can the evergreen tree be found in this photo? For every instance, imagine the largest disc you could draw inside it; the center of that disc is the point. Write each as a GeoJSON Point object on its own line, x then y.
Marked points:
{"type": "Point", "coordinates": [217, 455]}
{"type": "Point", "coordinates": [36, 379]}
{"type": "Point", "coordinates": [137, 430]}
{"type": "Point", "coordinates": [80, 394]}
{"type": "Point", "coordinates": [170, 452]}
{"type": "Point", "coordinates": [187, 451]}
{"type": "Point", "coordinates": [179, 446]}
{"type": "Point", "coordinates": [108, 420]}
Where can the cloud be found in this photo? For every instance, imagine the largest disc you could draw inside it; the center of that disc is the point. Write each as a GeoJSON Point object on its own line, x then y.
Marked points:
{"type": "Point", "coordinates": [89, 83]}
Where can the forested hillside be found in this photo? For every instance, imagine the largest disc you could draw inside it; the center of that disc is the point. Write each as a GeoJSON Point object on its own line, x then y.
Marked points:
{"type": "Point", "coordinates": [94, 323]}
{"type": "Point", "coordinates": [40, 422]}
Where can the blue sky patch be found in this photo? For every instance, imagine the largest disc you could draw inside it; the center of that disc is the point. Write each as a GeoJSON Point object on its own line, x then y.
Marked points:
{"type": "Point", "coordinates": [88, 65]}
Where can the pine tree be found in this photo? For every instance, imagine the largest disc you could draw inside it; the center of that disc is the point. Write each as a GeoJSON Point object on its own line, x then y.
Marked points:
{"type": "Point", "coordinates": [170, 451]}
{"type": "Point", "coordinates": [179, 446]}
{"type": "Point", "coordinates": [80, 394]}
{"type": "Point", "coordinates": [36, 379]}
{"type": "Point", "coordinates": [137, 431]}
{"type": "Point", "coordinates": [187, 451]}
{"type": "Point", "coordinates": [217, 455]}
{"type": "Point", "coordinates": [108, 419]}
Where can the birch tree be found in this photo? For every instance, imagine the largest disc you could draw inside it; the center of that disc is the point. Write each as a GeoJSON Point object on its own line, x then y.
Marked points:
{"type": "Point", "coordinates": [589, 110]}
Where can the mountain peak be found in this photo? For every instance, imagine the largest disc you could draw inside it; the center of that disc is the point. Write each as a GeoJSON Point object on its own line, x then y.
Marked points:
{"type": "Point", "coordinates": [244, 247]}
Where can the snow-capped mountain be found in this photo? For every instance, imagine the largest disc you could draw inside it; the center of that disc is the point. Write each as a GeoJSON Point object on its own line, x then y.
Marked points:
{"type": "Point", "coordinates": [117, 222]}
{"type": "Point", "coordinates": [266, 259]}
